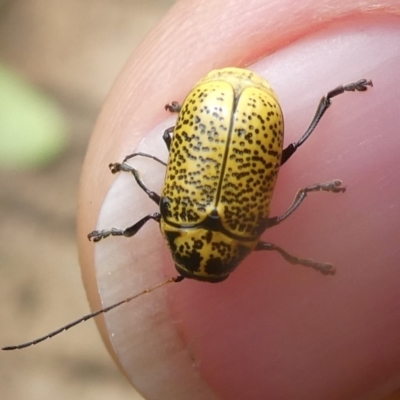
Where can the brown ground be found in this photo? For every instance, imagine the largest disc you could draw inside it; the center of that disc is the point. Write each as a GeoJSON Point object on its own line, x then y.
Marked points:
{"type": "Point", "coordinates": [72, 50]}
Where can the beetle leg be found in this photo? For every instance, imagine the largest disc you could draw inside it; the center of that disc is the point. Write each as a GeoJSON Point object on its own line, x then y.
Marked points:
{"type": "Point", "coordinates": [324, 268]}
{"type": "Point", "coordinates": [174, 106]}
{"type": "Point", "coordinates": [333, 186]}
{"type": "Point", "coordinates": [128, 168]}
{"type": "Point", "coordinates": [167, 136]}
{"type": "Point", "coordinates": [128, 232]}
{"type": "Point", "coordinates": [324, 104]}
{"type": "Point", "coordinates": [140, 154]}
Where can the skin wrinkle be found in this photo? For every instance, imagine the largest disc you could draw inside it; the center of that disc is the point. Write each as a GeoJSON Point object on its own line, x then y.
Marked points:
{"type": "Point", "coordinates": [127, 116]}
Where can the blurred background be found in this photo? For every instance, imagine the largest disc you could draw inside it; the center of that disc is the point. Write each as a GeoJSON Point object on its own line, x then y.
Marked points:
{"type": "Point", "coordinates": [58, 60]}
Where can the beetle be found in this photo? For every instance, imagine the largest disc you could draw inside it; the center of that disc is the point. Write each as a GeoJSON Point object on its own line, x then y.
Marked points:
{"type": "Point", "coordinates": [225, 152]}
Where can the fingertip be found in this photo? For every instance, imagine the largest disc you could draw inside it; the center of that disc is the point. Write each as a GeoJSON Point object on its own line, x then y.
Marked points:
{"type": "Point", "coordinates": [158, 338]}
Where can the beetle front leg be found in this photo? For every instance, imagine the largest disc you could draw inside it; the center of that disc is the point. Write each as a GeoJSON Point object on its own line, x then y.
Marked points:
{"type": "Point", "coordinates": [128, 232]}
{"type": "Point", "coordinates": [174, 107]}
{"type": "Point", "coordinates": [117, 167]}
{"type": "Point", "coordinates": [324, 268]}
{"type": "Point", "coordinates": [167, 136]}
{"type": "Point", "coordinates": [359, 86]}
{"type": "Point", "coordinates": [333, 187]}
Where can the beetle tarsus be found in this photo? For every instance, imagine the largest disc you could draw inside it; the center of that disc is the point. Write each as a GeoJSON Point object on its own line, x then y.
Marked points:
{"type": "Point", "coordinates": [174, 107]}
{"type": "Point", "coordinates": [360, 86]}
{"type": "Point", "coordinates": [96, 236]}
{"type": "Point", "coordinates": [115, 167]}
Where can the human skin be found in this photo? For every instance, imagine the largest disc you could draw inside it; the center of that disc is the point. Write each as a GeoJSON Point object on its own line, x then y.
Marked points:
{"type": "Point", "coordinates": [272, 330]}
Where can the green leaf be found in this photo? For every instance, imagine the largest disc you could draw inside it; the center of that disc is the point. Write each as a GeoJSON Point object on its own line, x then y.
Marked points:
{"type": "Point", "coordinates": [32, 128]}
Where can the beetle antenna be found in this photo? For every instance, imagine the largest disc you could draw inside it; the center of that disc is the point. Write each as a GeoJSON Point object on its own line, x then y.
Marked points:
{"type": "Point", "coordinates": [174, 279]}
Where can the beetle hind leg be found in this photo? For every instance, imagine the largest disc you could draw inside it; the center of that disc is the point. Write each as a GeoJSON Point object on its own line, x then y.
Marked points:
{"type": "Point", "coordinates": [324, 268]}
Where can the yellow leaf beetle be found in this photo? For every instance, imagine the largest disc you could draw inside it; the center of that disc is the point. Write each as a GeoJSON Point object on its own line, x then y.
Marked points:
{"type": "Point", "coordinates": [224, 157]}
{"type": "Point", "coordinates": [225, 152]}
